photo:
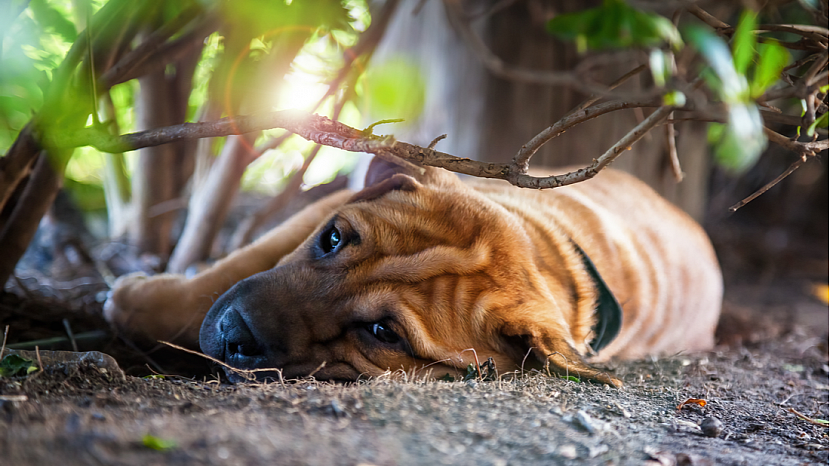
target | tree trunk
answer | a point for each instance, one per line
(153, 180)
(38, 195)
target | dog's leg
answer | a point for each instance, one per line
(171, 307)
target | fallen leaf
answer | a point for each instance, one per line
(157, 443)
(696, 401)
(14, 366)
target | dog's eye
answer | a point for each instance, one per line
(383, 333)
(330, 240)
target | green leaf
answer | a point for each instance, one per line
(772, 60)
(821, 122)
(738, 143)
(14, 365)
(50, 18)
(157, 443)
(571, 378)
(743, 41)
(614, 25)
(395, 89)
(730, 86)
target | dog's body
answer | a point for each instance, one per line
(409, 273)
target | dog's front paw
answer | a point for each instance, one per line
(152, 308)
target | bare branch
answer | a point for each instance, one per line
(498, 67)
(154, 53)
(808, 149)
(526, 181)
(805, 150)
(769, 185)
(522, 159)
(704, 16)
(617, 83)
(324, 131)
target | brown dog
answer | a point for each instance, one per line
(425, 271)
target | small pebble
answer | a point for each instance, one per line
(567, 451)
(711, 427)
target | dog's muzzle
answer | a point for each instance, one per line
(227, 336)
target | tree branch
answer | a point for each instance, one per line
(526, 181)
(324, 131)
(522, 159)
(498, 67)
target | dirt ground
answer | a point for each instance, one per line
(765, 388)
(87, 413)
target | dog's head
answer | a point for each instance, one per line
(415, 272)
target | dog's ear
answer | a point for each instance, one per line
(551, 351)
(397, 182)
(381, 169)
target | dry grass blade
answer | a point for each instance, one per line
(248, 374)
(3, 348)
(817, 422)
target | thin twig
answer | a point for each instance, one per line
(319, 368)
(522, 159)
(436, 141)
(248, 374)
(70, 335)
(619, 81)
(671, 143)
(810, 420)
(603, 161)
(805, 150)
(500, 68)
(3, 348)
(808, 149)
(707, 18)
(769, 185)
(39, 361)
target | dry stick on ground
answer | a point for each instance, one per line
(248, 374)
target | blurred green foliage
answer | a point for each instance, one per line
(311, 36)
(395, 89)
(735, 76)
(614, 25)
(14, 365)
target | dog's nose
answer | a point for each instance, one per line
(238, 337)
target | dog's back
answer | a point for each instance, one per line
(657, 261)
